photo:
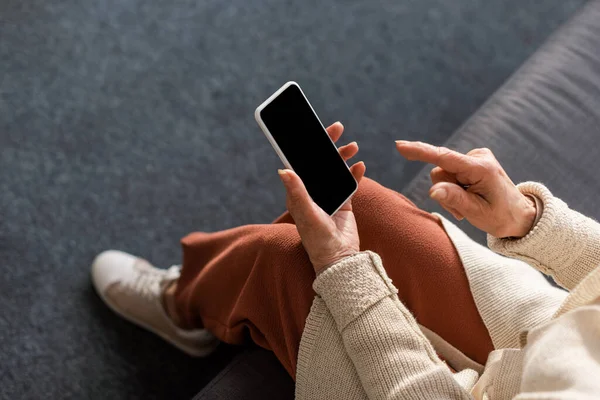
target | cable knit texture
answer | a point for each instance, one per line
(361, 342)
(353, 285)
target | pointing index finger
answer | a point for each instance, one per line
(450, 160)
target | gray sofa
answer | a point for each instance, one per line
(543, 124)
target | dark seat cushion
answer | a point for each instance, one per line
(544, 123)
(254, 374)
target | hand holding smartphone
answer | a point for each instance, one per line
(301, 141)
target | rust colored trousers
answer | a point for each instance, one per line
(255, 281)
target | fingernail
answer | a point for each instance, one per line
(283, 174)
(439, 194)
(401, 142)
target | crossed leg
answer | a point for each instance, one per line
(255, 281)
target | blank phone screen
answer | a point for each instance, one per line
(306, 145)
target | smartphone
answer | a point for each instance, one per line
(301, 141)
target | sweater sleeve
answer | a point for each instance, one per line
(390, 354)
(563, 244)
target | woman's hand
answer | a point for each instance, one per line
(474, 186)
(326, 239)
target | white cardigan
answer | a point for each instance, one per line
(361, 342)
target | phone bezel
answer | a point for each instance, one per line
(280, 153)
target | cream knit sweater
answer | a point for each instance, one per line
(361, 342)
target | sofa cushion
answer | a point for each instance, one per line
(253, 374)
(543, 124)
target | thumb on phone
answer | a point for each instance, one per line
(299, 202)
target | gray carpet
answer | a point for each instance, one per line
(128, 123)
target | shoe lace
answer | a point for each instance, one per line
(148, 283)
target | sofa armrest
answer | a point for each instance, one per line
(543, 124)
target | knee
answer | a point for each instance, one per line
(371, 197)
(282, 257)
(366, 189)
(281, 241)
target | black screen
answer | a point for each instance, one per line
(306, 145)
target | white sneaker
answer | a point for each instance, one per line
(133, 288)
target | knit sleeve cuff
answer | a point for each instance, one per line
(563, 243)
(353, 285)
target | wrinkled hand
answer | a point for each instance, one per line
(326, 239)
(474, 186)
